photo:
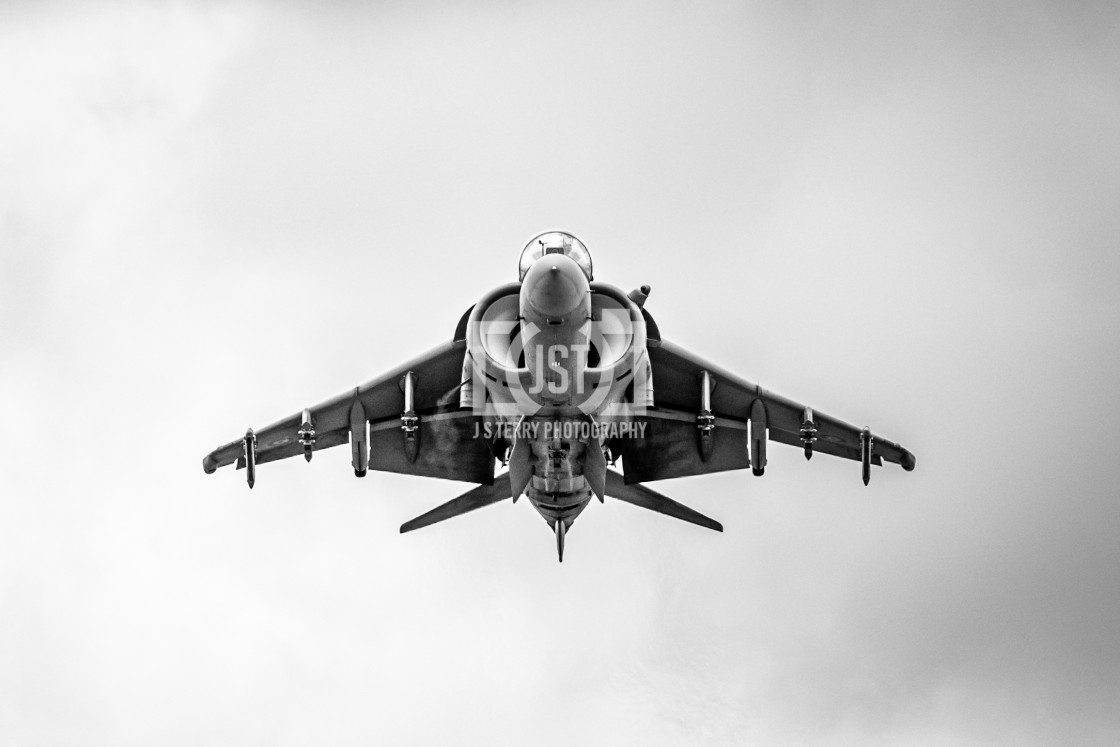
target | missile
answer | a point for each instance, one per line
(249, 449)
(866, 444)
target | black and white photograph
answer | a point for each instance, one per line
(530, 373)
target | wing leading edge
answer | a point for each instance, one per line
(373, 419)
(738, 411)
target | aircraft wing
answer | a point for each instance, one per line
(670, 447)
(446, 444)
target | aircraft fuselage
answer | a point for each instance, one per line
(554, 375)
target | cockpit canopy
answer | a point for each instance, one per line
(555, 242)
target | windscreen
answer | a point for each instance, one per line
(555, 242)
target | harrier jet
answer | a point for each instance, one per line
(557, 377)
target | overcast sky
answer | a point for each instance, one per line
(215, 214)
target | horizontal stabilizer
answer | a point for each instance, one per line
(640, 495)
(483, 495)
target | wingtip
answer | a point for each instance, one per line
(711, 523)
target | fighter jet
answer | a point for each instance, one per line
(557, 377)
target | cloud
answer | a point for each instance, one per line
(214, 215)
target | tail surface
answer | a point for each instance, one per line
(483, 495)
(640, 495)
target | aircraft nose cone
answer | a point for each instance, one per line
(555, 286)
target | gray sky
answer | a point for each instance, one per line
(213, 214)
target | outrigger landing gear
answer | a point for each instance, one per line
(249, 454)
